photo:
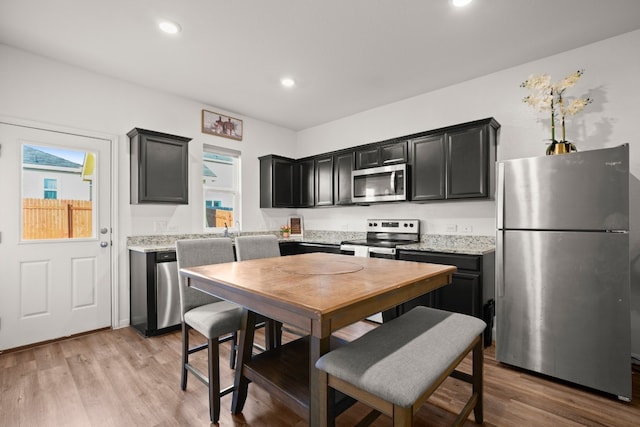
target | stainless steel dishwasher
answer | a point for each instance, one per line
(155, 296)
(167, 290)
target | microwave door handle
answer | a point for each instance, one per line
(393, 182)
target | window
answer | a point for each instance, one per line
(50, 188)
(221, 184)
(57, 193)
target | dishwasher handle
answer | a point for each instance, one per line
(167, 256)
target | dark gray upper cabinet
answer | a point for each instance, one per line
(455, 162)
(304, 180)
(368, 157)
(393, 152)
(342, 167)
(159, 167)
(381, 154)
(324, 180)
(276, 182)
(427, 168)
(468, 164)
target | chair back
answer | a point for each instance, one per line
(254, 247)
(195, 252)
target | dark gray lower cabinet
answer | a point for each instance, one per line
(472, 290)
(295, 248)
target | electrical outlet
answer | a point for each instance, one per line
(451, 228)
(467, 229)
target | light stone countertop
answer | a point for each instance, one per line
(454, 244)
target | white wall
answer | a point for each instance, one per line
(38, 89)
(612, 69)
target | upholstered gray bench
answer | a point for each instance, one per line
(397, 366)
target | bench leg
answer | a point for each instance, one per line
(402, 417)
(478, 360)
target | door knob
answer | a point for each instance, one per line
(104, 244)
(104, 230)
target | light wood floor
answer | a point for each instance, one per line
(118, 378)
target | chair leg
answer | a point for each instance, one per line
(185, 355)
(327, 416)
(478, 380)
(214, 380)
(234, 350)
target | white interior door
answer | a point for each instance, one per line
(55, 241)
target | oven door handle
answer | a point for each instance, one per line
(382, 251)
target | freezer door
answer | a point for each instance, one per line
(579, 191)
(563, 306)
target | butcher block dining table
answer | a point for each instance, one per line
(317, 293)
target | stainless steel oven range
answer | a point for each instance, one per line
(383, 236)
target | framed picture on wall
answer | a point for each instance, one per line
(295, 223)
(221, 125)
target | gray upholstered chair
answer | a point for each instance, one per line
(261, 246)
(254, 247)
(216, 319)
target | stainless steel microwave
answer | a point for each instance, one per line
(381, 184)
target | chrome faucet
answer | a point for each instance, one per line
(226, 230)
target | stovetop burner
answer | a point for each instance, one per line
(384, 233)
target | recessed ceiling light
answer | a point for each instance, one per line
(460, 3)
(287, 82)
(169, 27)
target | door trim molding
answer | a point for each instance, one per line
(115, 243)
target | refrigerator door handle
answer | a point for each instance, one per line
(500, 263)
(500, 196)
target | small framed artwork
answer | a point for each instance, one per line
(221, 125)
(295, 224)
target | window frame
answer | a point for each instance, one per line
(235, 192)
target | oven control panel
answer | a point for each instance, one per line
(393, 225)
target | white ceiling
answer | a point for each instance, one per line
(347, 56)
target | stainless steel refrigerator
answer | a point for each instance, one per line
(562, 267)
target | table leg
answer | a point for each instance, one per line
(273, 334)
(318, 347)
(245, 350)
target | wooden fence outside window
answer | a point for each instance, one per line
(56, 219)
